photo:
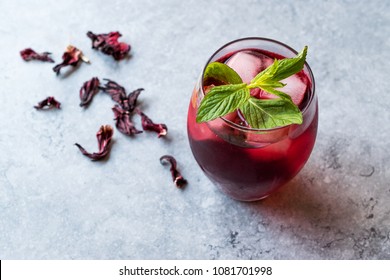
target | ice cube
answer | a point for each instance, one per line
(296, 86)
(219, 126)
(212, 129)
(272, 152)
(248, 64)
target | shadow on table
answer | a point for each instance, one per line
(309, 204)
(322, 220)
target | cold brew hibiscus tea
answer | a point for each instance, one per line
(252, 118)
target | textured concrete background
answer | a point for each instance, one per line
(56, 204)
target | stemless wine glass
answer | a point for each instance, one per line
(245, 163)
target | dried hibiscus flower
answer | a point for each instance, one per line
(103, 136)
(29, 54)
(71, 57)
(148, 124)
(108, 44)
(178, 179)
(88, 90)
(131, 101)
(118, 94)
(49, 102)
(123, 121)
(116, 91)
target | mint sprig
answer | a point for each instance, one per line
(259, 113)
(270, 113)
(222, 72)
(222, 100)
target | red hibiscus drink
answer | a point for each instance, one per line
(249, 163)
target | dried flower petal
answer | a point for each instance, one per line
(29, 54)
(131, 101)
(48, 102)
(123, 121)
(148, 124)
(88, 90)
(71, 57)
(104, 136)
(108, 44)
(118, 94)
(116, 91)
(178, 180)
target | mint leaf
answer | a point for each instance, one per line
(281, 69)
(222, 72)
(270, 113)
(260, 113)
(222, 100)
(281, 94)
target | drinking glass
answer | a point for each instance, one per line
(249, 164)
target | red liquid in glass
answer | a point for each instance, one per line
(246, 172)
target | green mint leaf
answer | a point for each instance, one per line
(270, 113)
(260, 113)
(222, 100)
(222, 72)
(281, 94)
(269, 84)
(281, 69)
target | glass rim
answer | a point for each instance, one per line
(249, 129)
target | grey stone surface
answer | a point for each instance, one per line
(56, 204)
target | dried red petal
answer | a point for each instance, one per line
(116, 91)
(48, 103)
(131, 102)
(29, 54)
(118, 94)
(148, 124)
(123, 121)
(108, 44)
(88, 90)
(104, 136)
(178, 179)
(71, 57)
